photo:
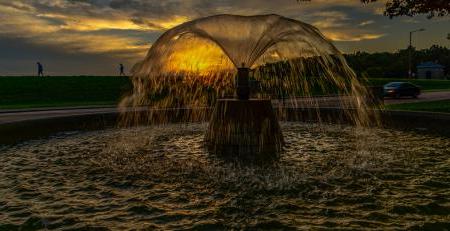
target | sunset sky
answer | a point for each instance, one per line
(91, 37)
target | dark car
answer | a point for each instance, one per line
(399, 89)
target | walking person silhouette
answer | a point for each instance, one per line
(40, 69)
(122, 68)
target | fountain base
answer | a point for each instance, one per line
(244, 130)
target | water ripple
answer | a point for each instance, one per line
(329, 177)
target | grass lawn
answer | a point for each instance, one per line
(426, 84)
(33, 92)
(432, 106)
(65, 91)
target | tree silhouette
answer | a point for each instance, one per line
(395, 8)
(395, 64)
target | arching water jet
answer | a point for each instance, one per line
(194, 64)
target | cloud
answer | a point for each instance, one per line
(70, 34)
(339, 25)
(365, 23)
(125, 29)
(330, 19)
(349, 37)
(71, 24)
(93, 24)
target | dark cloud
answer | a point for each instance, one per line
(139, 11)
(144, 22)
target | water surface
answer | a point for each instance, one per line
(329, 177)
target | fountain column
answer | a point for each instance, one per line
(242, 128)
(243, 86)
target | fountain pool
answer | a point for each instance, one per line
(329, 176)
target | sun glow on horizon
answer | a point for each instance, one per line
(199, 56)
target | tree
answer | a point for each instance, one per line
(432, 8)
(395, 65)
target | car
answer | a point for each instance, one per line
(399, 89)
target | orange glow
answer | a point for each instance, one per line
(81, 23)
(198, 56)
(175, 21)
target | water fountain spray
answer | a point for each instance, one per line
(203, 62)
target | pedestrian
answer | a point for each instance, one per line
(122, 70)
(40, 69)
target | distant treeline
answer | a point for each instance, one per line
(395, 65)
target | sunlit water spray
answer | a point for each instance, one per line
(195, 63)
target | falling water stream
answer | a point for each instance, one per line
(195, 63)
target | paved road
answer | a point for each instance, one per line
(424, 97)
(8, 116)
(301, 102)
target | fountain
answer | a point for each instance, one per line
(194, 63)
(335, 172)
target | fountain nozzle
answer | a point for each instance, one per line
(242, 85)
